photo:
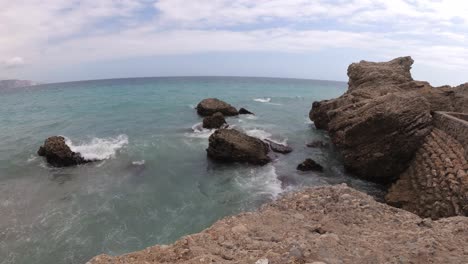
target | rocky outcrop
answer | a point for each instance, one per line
(244, 111)
(58, 154)
(209, 106)
(317, 225)
(383, 118)
(317, 144)
(230, 145)
(279, 148)
(309, 165)
(215, 121)
(436, 183)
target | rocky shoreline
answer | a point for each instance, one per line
(389, 129)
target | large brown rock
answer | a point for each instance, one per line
(230, 145)
(58, 154)
(332, 224)
(380, 122)
(209, 106)
(215, 121)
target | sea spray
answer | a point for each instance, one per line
(99, 148)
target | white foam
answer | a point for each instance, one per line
(32, 158)
(200, 132)
(263, 135)
(262, 100)
(138, 162)
(99, 148)
(262, 181)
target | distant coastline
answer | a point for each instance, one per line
(13, 83)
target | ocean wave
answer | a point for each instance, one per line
(138, 162)
(200, 132)
(261, 181)
(99, 148)
(263, 135)
(263, 100)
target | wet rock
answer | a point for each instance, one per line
(244, 111)
(215, 121)
(231, 145)
(318, 144)
(279, 148)
(209, 106)
(58, 154)
(309, 165)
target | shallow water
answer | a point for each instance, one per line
(155, 183)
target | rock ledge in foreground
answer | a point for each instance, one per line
(333, 224)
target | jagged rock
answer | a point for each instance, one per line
(244, 111)
(209, 106)
(309, 165)
(380, 122)
(230, 145)
(215, 121)
(279, 148)
(58, 154)
(330, 224)
(318, 144)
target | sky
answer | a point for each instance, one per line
(66, 40)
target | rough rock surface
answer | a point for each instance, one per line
(309, 165)
(215, 121)
(436, 183)
(209, 106)
(324, 225)
(230, 145)
(279, 148)
(383, 118)
(244, 111)
(317, 144)
(58, 154)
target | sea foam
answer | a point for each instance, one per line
(99, 148)
(262, 100)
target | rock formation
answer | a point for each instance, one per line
(317, 144)
(317, 225)
(58, 154)
(279, 148)
(383, 118)
(309, 165)
(244, 111)
(230, 145)
(209, 106)
(215, 121)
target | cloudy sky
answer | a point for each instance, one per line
(64, 40)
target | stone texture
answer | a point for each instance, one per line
(436, 183)
(215, 121)
(209, 106)
(309, 165)
(279, 148)
(58, 154)
(230, 145)
(317, 225)
(317, 144)
(244, 111)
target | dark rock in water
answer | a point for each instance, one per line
(318, 144)
(244, 111)
(58, 154)
(279, 148)
(309, 165)
(230, 145)
(215, 121)
(208, 107)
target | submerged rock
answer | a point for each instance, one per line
(215, 121)
(244, 111)
(323, 223)
(58, 154)
(318, 144)
(309, 165)
(279, 148)
(209, 106)
(230, 145)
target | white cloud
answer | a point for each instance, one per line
(14, 62)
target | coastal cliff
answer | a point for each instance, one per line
(316, 225)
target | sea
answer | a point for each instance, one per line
(153, 183)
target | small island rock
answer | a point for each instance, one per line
(58, 154)
(309, 165)
(230, 145)
(215, 121)
(209, 106)
(244, 111)
(279, 148)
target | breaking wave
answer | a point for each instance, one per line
(262, 100)
(99, 148)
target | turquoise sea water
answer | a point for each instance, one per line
(154, 183)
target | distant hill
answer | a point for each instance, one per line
(5, 84)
